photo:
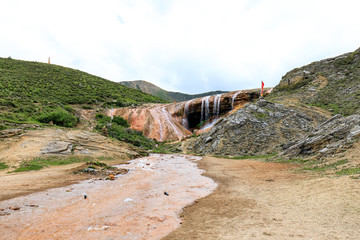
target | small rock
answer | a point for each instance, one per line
(15, 208)
(32, 205)
(165, 193)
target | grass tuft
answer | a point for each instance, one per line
(3, 166)
(39, 163)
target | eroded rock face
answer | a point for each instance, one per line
(258, 128)
(154, 121)
(10, 133)
(36, 143)
(57, 147)
(329, 137)
(168, 122)
(194, 111)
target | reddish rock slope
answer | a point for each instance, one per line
(176, 121)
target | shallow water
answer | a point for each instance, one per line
(133, 206)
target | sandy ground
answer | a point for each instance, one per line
(259, 200)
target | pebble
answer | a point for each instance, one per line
(14, 208)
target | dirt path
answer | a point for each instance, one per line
(257, 200)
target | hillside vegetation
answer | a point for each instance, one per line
(332, 84)
(161, 93)
(30, 91)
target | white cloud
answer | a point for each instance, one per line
(189, 45)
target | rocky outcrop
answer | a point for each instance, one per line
(10, 133)
(193, 112)
(256, 129)
(35, 143)
(169, 122)
(332, 84)
(57, 147)
(330, 137)
(154, 121)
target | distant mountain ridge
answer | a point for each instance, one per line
(154, 90)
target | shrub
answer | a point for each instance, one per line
(120, 121)
(119, 130)
(131, 136)
(59, 117)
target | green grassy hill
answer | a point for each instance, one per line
(29, 89)
(161, 93)
(332, 84)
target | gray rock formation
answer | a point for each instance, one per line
(330, 137)
(10, 133)
(258, 128)
(57, 147)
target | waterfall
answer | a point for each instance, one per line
(205, 111)
(161, 131)
(186, 114)
(169, 118)
(233, 99)
(216, 110)
(186, 108)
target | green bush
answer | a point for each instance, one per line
(130, 135)
(120, 121)
(59, 117)
(119, 130)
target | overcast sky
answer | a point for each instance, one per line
(190, 46)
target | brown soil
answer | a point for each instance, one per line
(15, 150)
(258, 200)
(20, 184)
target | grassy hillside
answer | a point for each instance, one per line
(332, 84)
(161, 93)
(31, 89)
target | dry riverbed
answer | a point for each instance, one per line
(253, 200)
(143, 204)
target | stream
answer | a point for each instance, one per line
(145, 203)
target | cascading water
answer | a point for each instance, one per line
(168, 116)
(205, 111)
(233, 99)
(160, 126)
(186, 114)
(186, 107)
(216, 111)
